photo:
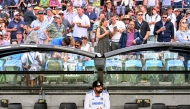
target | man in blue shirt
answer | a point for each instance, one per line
(92, 16)
(15, 25)
(164, 29)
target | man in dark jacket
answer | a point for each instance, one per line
(164, 29)
(130, 37)
(29, 15)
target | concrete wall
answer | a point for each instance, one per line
(117, 101)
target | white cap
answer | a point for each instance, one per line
(61, 12)
(57, 16)
(15, 13)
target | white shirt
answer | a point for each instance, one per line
(94, 102)
(79, 31)
(151, 3)
(85, 48)
(32, 57)
(154, 18)
(49, 20)
(120, 25)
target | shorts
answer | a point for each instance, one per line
(90, 35)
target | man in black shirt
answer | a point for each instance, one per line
(142, 26)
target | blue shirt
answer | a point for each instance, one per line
(93, 17)
(57, 41)
(12, 25)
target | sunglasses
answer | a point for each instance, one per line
(83, 38)
(76, 45)
(140, 14)
(61, 14)
(164, 17)
(184, 22)
(17, 15)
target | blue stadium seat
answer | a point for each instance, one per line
(176, 65)
(132, 65)
(154, 65)
(113, 65)
(90, 66)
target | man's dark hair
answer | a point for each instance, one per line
(28, 25)
(67, 40)
(164, 13)
(78, 41)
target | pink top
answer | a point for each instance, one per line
(54, 3)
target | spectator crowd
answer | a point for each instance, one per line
(91, 25)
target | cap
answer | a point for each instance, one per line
(29, 6)
(37, 8)
(49, 9)
(1, 8)
(176, 10)
(60, 12)
(108, 1)
(126, 17)
(57, 16)
(58, 8)
(188, 11)
(40, 12)
(18, 32)
(97, 83)
(15, 13)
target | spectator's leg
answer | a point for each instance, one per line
(123, 10)
(118, 10)
(92, 37)
(114, 45)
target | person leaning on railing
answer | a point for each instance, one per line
(183, 34)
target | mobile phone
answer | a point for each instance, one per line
(115, 27)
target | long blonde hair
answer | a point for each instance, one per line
(72, 42)
(180, 28)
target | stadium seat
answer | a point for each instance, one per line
(90, 66)
(169, 56)
(131, 106)
(2, 76)
(154, 65)
(12, 78)
(68, 106)
(132, 65)
(15, 106)
(188, 68)
(113, 65)
(40, 106)
(176, 65)
(53, 65)
(150, 56)
(158, 106)
(183, 107)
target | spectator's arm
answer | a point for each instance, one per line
(172, 32)
(157, 30)
(145, 2)
(32, 16)
(98, 34)
(179, 37)
(157, 3)
(46, 34)
(147, 32)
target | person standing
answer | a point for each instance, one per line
(29, 15)
(164, 29)
(92, 16)
(81, 23)
(97, 98)
(103, 34)
(142, 26)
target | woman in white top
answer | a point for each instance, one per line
(183, 34)
(85, 45)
